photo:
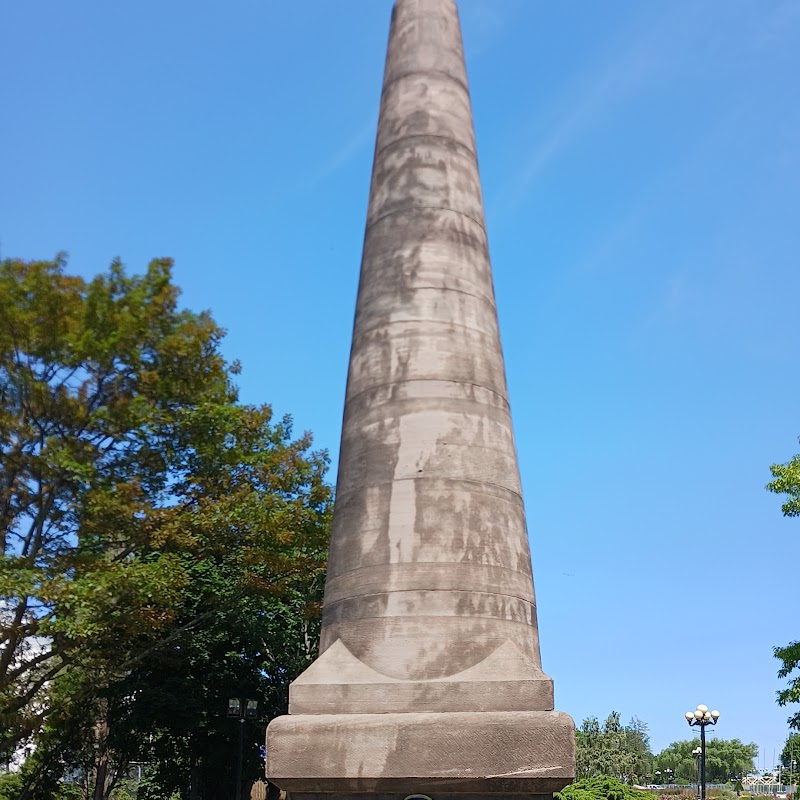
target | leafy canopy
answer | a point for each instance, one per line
(155, 532)
(787, 482)
(790, 759)
(789, 657)
(601, 788)
(613, 749)
(726, 759)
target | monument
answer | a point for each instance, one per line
(429, 678)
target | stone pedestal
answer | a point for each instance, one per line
(429, 678)
(443, 755)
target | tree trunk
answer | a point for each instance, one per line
(194, 782)
(101, 777)
(101, 760)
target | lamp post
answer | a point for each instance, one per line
(657, 776)
(241, 710)
(696, 753)
(668, 774)
(701, 717)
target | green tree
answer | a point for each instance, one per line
(159, 539)
(787, 482)
(790, 758)
(726, 759)
(10, 785)
(613, 749)
(638, 745)
(601, 788)
(789, 657)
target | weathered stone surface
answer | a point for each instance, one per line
(438, 754)
(503, 681)
(429, 678)
(428, 473)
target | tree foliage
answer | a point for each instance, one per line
(789, 657)
(726, 759)
(163, 545)
(613, 749)
(787, 482)
(790, 758)
(601, 788)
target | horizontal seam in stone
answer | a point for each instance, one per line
(501, 718)
(348, 575)
(408, 136)
(527, 577)
(423, 208)
(379, 326)
(482, 298)
(457, 81)
(438, 616)
(438, 564)
(482, 243)
(531, 603)
(436, 380)
(415, 478)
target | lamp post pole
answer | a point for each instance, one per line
(241, 710)
(240, 760)
(701, 717)
(697, 753)
(702, 762)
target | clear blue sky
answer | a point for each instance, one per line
(641, 169)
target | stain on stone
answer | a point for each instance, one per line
(429, 574)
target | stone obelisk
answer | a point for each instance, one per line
(429, 678)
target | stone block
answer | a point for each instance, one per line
(447, 755)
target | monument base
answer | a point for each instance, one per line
(504, 754)
(339, 683)
(402, 795)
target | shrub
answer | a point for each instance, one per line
(10, 785)
(602, 788)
